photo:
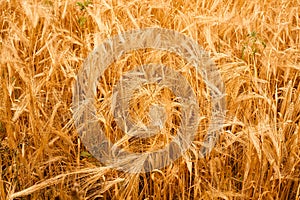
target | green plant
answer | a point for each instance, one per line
(83, 5)
(252, 45)
(85, 154)
(81, 21)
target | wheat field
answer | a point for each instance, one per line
(255, 46)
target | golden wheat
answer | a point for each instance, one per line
(256, 47)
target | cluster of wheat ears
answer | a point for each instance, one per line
(255, 46)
